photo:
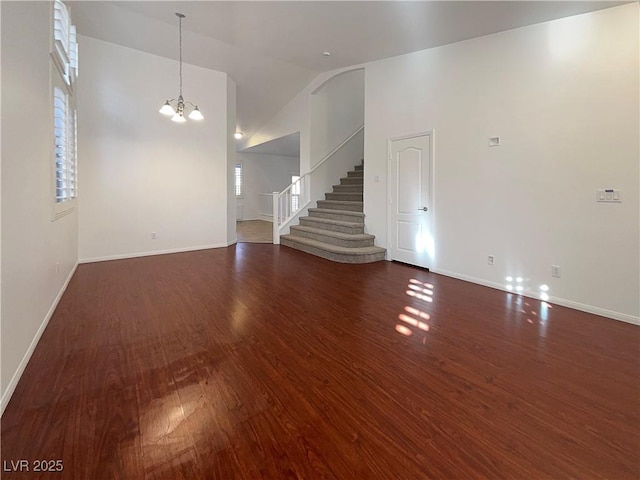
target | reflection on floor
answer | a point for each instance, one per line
(254, 231)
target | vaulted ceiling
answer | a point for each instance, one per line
(272, 49)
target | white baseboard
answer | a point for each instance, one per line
(261, 216)
(623, 317)
(6, 396)
(156, 252)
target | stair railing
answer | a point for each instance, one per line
(297, 196)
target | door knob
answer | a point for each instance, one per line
(424, 209)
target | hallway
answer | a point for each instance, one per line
(254, 231)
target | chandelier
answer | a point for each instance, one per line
(176, 108)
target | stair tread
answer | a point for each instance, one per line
(333, 222)
(338, 212)
(334, 248)
(341, 202)
(329, 233)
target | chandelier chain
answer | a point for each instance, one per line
(180, 30)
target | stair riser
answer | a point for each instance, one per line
(359, 168)
(308, 222)
(351, 181)
(336, 257)
(348, 188)
(342, 216)
(368, 242)
(332, 206)
(355, 174)
(344, 196)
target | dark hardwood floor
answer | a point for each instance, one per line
(262, 362)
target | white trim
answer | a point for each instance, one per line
(269, 218)
(156, 252)
(411, 135)
(6, 396)
(623, 317)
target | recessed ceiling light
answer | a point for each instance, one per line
(238, 135)
(326, 54)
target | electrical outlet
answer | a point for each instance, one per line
(153, 235)
(491, 259)
(555, 271)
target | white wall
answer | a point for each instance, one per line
(263, 173)
(231, 161)
(295, 117)
(141, 173)
(563, 97)
(337, 110)
(38, 254)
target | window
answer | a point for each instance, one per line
(64, 71)
(65, 46)
(238, 180)
(64, 128)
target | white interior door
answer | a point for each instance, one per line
(410, 201)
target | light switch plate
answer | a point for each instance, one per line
(608, 195)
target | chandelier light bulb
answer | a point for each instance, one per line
(196, 114)
(178, 118)
(167, 109)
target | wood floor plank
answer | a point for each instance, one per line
(261, 362)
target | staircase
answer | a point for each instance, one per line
(335, 230)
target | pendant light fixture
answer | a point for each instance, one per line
(175, 108)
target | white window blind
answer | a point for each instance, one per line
(64, 70)
(72, 160)
(64, 120)
(238, 180)
(61, 26)
(65, 43)
(73, 51)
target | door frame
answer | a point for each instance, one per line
(431, 133)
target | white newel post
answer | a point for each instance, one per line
(276, 218)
